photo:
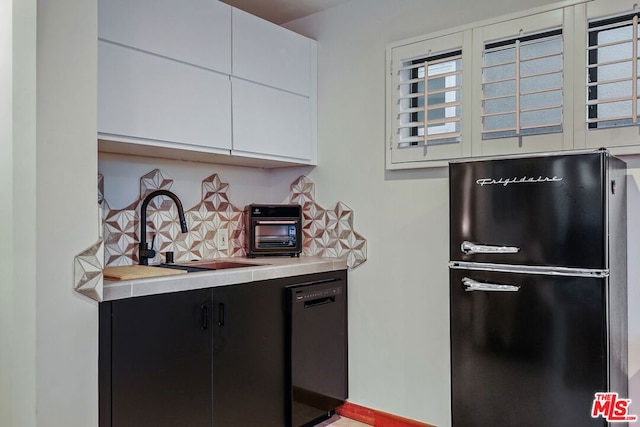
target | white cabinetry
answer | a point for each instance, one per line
(169, 77)
(195, 31)
(270, 54)
(271, 123)
(274, 91)
(160, 101)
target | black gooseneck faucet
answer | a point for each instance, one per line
(144, 253)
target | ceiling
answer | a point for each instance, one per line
(281, 11)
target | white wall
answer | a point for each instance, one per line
(6, 210)
(49, 332)
(399, 316)
(18, 229)
(66, 212)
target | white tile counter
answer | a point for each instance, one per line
(268, 268)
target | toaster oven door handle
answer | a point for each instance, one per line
(276, 222)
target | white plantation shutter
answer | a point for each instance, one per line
(522, 86)
(555, 78)
(521, 101)
(426, 89)
(430, 100)
(612, 72)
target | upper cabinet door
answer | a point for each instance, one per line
(272, 124)
(195, 31)
(271, 55)
(152, 98)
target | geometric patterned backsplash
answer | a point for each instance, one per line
(326, 232)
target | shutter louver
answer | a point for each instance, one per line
(522, 85)
(612, 72)
(429, 100)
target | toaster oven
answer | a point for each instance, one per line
(273, 230)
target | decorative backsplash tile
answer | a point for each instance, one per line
(87, 271)
(326, 232)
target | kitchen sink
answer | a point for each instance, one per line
(196, 266)
(222, 264)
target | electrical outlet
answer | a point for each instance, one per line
(222, 235)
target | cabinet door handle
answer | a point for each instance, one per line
(221, 314)
(205, 317)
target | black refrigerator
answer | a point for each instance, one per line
(538, 308)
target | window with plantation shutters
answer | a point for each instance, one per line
(560, 77)
(426, 81)
(430, 107)
(522, 86)
(612, 72)
(522, 93)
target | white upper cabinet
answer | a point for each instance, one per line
(272, 55)
(194, 31)
(274, 91)
(272, 124)
(165, 72)
(158, 101)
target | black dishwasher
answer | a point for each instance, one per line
(317, 350)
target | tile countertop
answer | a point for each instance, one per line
(269, 268)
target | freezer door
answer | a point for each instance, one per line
(526, 350)
(541, 211)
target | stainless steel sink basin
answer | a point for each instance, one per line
(196, 266)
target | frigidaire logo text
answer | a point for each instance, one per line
(524, 180)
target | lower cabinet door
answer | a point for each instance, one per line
(248, 359)
(161, 360)
(202, 358)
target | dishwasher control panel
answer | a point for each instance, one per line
(302, 295)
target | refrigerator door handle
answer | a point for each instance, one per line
(474, 248)
(472, 285)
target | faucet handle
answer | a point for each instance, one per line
(145, 253)
(151, 253)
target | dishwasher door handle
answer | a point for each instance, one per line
(319, 301)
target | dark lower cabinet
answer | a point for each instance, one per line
(159, 353)
(248, 356)
(210, 357)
